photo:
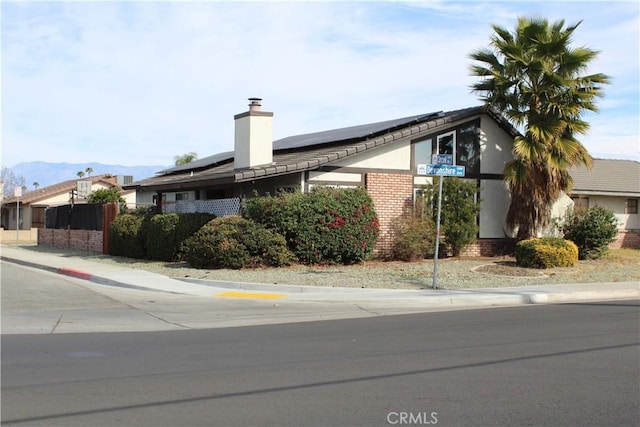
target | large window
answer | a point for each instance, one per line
(463, 144)
(468, 152)
(632, 206)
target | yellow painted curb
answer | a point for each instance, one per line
(249, 295)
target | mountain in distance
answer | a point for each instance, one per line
(45, 173)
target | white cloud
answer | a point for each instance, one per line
(140, 82)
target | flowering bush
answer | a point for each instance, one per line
(324, 226)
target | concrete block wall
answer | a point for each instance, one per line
(392, 195)
(86, 240)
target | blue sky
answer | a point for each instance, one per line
(137, 83)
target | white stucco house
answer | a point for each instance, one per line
(382, 157)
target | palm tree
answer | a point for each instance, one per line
(80, 174)
(36, 185)
(89, 171)
(535, 79)
(185, 158)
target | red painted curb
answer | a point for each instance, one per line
(74, 273)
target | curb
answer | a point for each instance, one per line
(462, 298)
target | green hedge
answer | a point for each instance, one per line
(324, 226)
(235, 242)
(166, 232)
(546, 252)
(124, 236)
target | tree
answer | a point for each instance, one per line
(459, 211)
(592, 230)
(80, 174)
(36, 185)
(10, 181)
(535, 79)
(106, 195)
(89, 171)
(185, 158)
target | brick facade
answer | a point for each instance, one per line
(86, 240)
(490, 247)
(627, 239)
(392, 195)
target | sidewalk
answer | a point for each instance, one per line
(109, 275)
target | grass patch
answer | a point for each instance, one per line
(623, 256)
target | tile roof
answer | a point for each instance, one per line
(59, 188)
(307, 152)
(608, 176)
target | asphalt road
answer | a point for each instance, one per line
(560, 365)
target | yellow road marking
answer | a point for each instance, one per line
(233, 294)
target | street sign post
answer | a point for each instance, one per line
(446, 168)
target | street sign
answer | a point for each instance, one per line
(441, 170)
(442, 159)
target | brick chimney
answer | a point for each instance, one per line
(253, 137)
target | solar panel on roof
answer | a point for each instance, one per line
(200, 163)
(343, 134)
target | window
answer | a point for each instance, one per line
(182, 196)
(632, 206)
(446, 144)
(468, 152)
(462, 143)
(580, 203)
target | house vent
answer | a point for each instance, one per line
(124, 179)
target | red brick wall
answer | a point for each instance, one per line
(392, 194)
(86, 240)
(490, 247)
(627, 239)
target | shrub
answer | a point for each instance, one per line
(166, 232)
(106, 195)
(124, 237)
(546, 252)
(235, 242)
(324, 226)
(459, 212)
(160, 237)
(414, 238)
(592, 230)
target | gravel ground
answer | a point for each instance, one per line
(453, 273)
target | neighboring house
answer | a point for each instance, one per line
(614, 185)
(382, 157)
(34, 203)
